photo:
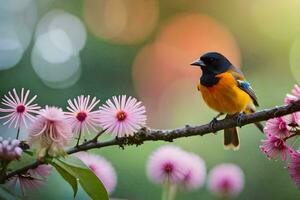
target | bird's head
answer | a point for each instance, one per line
(213, 62)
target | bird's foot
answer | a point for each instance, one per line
(212, 124)
(240, 118)
(214, 121)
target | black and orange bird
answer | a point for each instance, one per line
(225, 90)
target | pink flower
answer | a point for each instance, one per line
(42, 171)
(81, 116)
(277, 126)
(18, 109)
(294, 96)
(32, 180)
(226, 180)
(9, 149)
(50, 131)
(166, 165)
(273, 147)
(121, 116)
(102, 168)
(290, 99)
(294, 168)
(194, 172)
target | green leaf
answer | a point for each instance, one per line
(67, 176)
(91, 183)
(73, 161)
(87, 179)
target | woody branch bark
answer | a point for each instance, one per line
(147, 134)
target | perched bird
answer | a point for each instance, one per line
(225, 90)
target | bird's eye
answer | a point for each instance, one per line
(211, 59)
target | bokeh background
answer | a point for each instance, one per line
(61, 48)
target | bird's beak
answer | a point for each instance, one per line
(198, 63)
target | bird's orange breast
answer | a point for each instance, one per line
(225, 96)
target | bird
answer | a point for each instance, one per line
(225, 89)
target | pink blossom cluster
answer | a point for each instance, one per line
(226, 180)
(290, 98)
(172, 165)
(32, 179)
(51, 129)
(9, 149)
(280, 134)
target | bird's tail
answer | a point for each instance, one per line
(231, 137)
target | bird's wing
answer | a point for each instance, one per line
(243, 84)
(237, 73)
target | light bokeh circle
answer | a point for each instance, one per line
(11, 51)
(54, 72)
(121, 21)
(11, 48)
(73, 27)
(43, 24)
(14, 25)
(59, 38)
(17, 19)
(60, 20)
(54, 46)
(195, 34)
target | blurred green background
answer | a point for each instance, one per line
(143, 48)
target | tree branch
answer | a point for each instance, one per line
(146, 134)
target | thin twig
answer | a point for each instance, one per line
(295, 133)
(146, 134)
(77, 144)
(18, 133)
(95, 139)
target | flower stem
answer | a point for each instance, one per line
(18, 133)
(172, 192)
(169, 191)
(78, 138)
